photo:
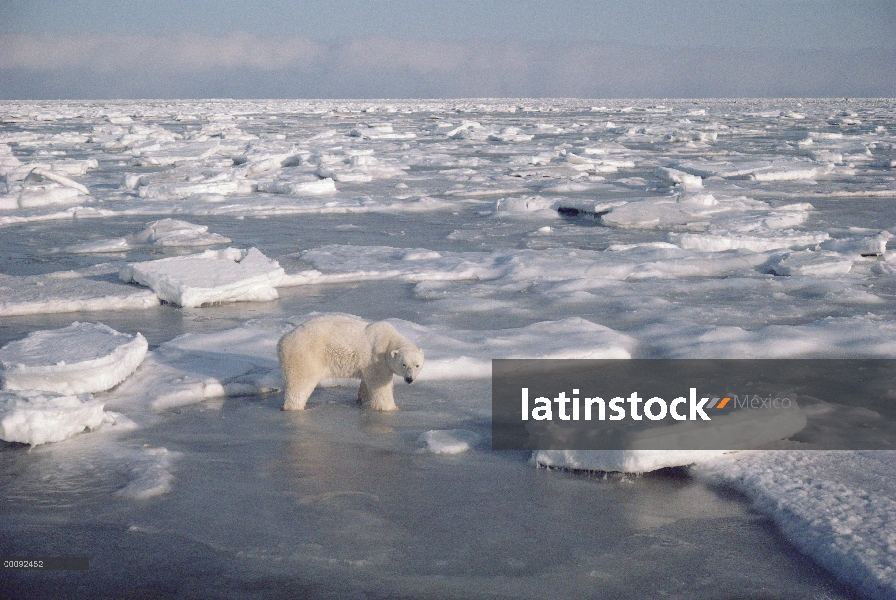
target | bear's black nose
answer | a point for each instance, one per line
(409, 379)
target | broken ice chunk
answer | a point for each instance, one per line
(229, 275)
(34, 417)
(449, 441)
(83, 357)
(810, 262)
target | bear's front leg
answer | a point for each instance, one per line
(363, 393)
(379, 390)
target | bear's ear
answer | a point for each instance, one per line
(394, 353)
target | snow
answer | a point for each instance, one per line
(83, 357)
(229, 275)
(480, 228)
(35, 417)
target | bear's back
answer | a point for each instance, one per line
(326, 331)
(337, 343)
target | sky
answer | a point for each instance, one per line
(106, 49)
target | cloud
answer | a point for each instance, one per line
(181, 53)
(244, 65)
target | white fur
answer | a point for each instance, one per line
(341, 347)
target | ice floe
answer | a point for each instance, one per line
(213, 276)
(37, 417)
(836, 507)
(449, 441)
(776, 170)
(164, 233)
(70, 291)
(810, 262)
(676, 177)
(301, 186)
(43, 187)
(83, 357)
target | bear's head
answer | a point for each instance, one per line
(406, 362)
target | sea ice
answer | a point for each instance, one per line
(380, 131)
(83, 357)
(151, 473)
(36, 417)
(836, 507)
(43, 186)
(164, 233)
(720, 241)
(478, 219)
(744, 429)
(449, 441)
(622, 461)
(213, 276)
(809, 262)
(301, 186)
(175, 153)
(521, 269)
(70, 291)
(462, 354)
(170, 192)
(746, 169)
(676, 177)
(831, 337)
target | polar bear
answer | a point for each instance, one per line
(337, 346)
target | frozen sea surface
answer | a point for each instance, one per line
(482, 229)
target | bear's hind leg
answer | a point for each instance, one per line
(296, 397)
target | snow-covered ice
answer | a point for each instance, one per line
(83, 357)
(229, 275)
(481, 229)
(837, 507)
(88, 289)
(34, 417)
